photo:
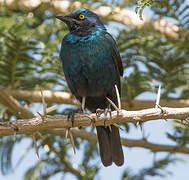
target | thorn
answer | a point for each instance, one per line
(118, 97)
(158, 106)
(72, 141)
(142, 130)
(67, 130)
(118, 126)
(110, 128)
(40, 135)
(162, 112)
(115, 107)
(35, 145)
(51, 109)
(158, 97)
(141, 126)
(83, 103)
(42, 116)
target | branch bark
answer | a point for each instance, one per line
(123, 16)
(61, 97)
(24, 126)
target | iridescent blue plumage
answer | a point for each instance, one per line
(92, 67)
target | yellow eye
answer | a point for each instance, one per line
(81, 16)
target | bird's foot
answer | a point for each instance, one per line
(71, 115)
(113, 105)
(105, 112)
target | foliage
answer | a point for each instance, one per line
(29, 48)
(157, 169)
(141, 4)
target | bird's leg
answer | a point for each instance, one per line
(83, 103)
(110, 113)
(71, 116)
(99, 112)
(105, 111)
(72, 113)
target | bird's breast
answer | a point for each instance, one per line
(89, 64)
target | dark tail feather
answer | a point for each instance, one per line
(116, 147)
(104, 145)
(110, 145)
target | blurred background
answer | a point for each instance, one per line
(152, 37)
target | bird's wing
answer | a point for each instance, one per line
(115, 54)
(70, 85)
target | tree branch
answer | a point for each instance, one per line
(58, 97)
(47, 123)
(123, 16)
(24, 126)
(61, 97)
(143, 143)
(13, 105)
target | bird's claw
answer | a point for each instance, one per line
(99, 112)
(71, 115)
(105, 112)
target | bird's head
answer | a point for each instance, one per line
(82, 22)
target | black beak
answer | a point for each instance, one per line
(65, 19)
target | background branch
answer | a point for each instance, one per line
(13, 105)
(61, 97)
(143, 143)
(117, 14)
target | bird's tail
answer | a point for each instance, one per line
(110, 145)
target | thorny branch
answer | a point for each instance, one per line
(38, 124)
(35, 124)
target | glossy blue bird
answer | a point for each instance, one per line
(92, 66)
